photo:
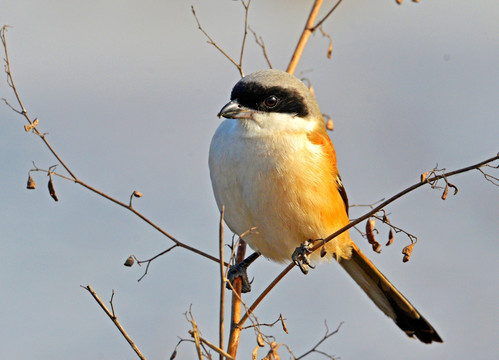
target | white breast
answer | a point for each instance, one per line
(267, 180)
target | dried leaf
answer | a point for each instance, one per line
(31, 183)
(399, 1)
(137, 194)
(52, 189)
(424, 176)
(330, 50)
(370, 231)
(391, 237)
(129, 261)
(377, 247)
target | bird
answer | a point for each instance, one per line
(274, 172)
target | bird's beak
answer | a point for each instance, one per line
(234, 110)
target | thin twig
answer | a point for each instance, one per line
(72, 177)
(261, 43)
(325, 17)
(246, 10)
(222, 281)
(195, 334)
(327, 335)
(212, 42)
(222, 353)
(114, 319)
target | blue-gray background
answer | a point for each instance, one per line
(128, 92)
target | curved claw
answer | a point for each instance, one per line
(301, 256)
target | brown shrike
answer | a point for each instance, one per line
(273, 168)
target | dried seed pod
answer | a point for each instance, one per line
(259, 340)
(385, 219)
(370, 231)
(377, 247)
(323, 251)
(399, 1)
(52, 189)
(174, 355)
(330, 50)
(137, 194)
(284, 327)
(254, 354)
(391, 237)
(129, 261)
(31, 183)
(407, 251)
(446, 191)
(424, 176)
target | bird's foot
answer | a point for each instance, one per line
(301, 256)
(239, 271)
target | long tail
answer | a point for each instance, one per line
(388, 298)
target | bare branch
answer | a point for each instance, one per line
(307, 31)
(114, 319)
(260, 42)
(222, 281)
(319, 24)
(326, 336)
(212, 42)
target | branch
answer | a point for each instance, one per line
(431, 180)
(72, 177)
(114, 319)
(239, 65)
(222, 281)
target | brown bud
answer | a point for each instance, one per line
(390, 238)
(52, 189)
(370, 231)
(259, 340)
(137, 194)
(330, 124)
(31, 183)
(424, 176)
(446, 191)
(129, 261)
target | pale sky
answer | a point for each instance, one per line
(128, 93)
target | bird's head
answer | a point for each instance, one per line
(273, 99)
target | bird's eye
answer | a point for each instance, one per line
(271, 101)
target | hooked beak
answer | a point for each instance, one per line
(234, 110)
